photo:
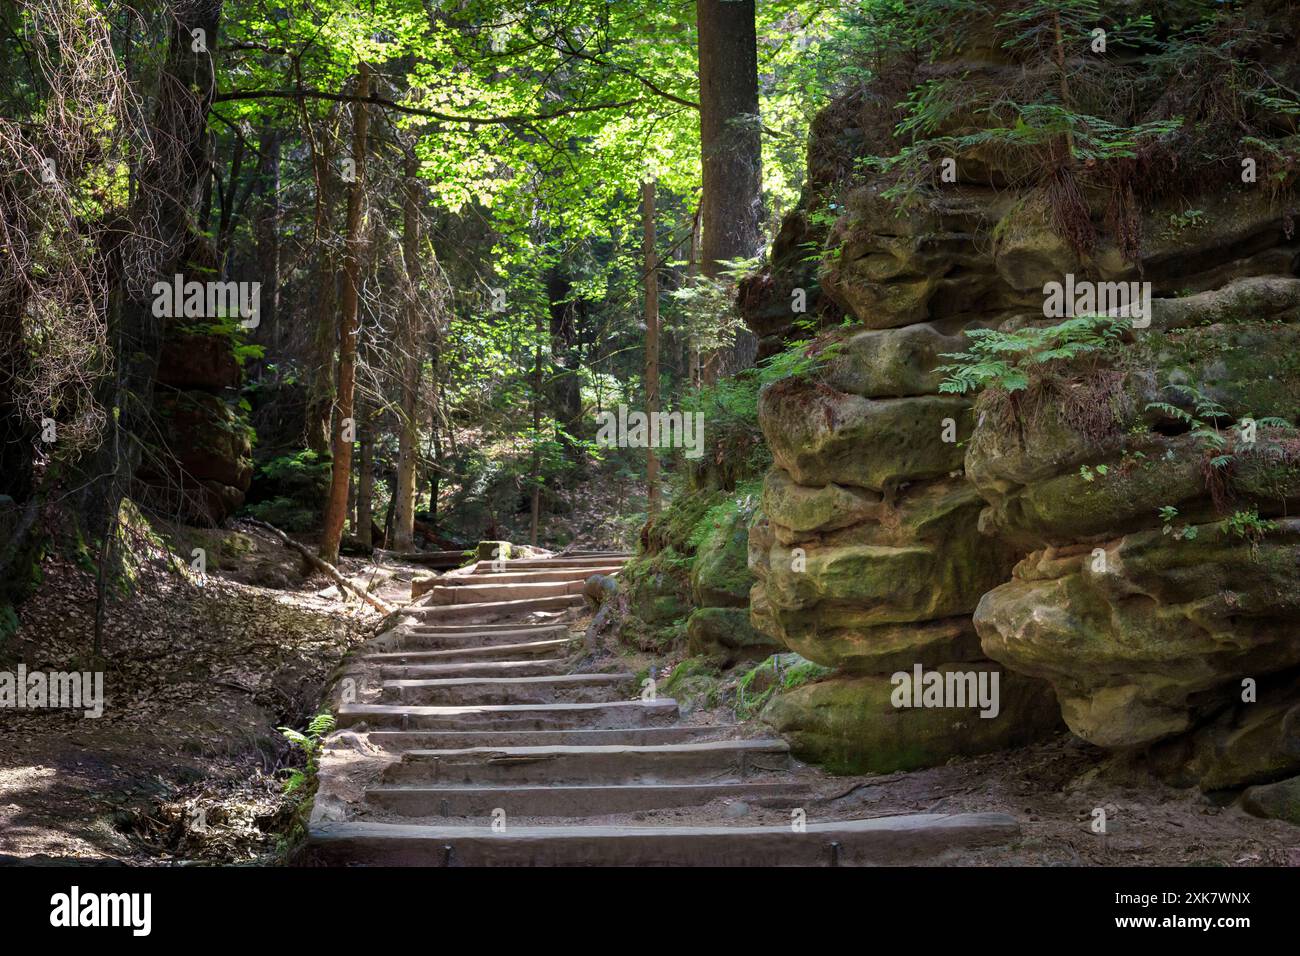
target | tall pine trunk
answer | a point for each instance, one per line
(535, 473)
(408, 449)
(349, 314)
(651, 340)
(320, 396)
(366, 479)
(731, 152)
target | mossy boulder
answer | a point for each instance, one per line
(798, 509)
(1144, 636)
(851, 725)
(893, 265)
(1027, 251)
(821, 436)
(925, 561)
(836, 638)
(694, 683)
(892, 363)
(1247, 742)
(1275, 801)
(726, 635)
(720, 575)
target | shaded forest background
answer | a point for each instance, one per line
(450, 191)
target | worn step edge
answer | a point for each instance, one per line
(540, 650)
(401, 740)
(539, 667)
(413, 640)
(558, 680)
(910, 838)
(761, 745)
(440, 595)
(493, 608)
(487, 628)
(567, 800)
(561, 575)
(505, 716)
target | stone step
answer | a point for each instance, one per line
(545, 564)
(567, 801)
(913, 838)
(466, 691)
(512, 717)
(544, 667)
(472, 592)
(523, 577)
(399, 740)
(536, 650)
(433, 559)
(492, 610)
(487, 628)
(660, 763)
(419, 639)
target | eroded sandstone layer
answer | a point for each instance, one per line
(1112, 531)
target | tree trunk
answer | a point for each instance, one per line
(535, 474)
(349, 313)
(565, 387)
(730, 145)
(408, 449)
(651, 341)
(320, 398)
(366, 479)
(435, 470)
(692, 269)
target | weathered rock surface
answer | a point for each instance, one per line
(1277, 801)
(851, 725)
(203, 465)
(1142, 637)
(1157, 568)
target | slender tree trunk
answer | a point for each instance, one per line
(408, 448)
(366, 479)
(435, 470)
(730, 145)
(349, 315)
(564, 389)
(651, 341)
(320, 399)
(692, 269)
(535, 474)
(228, 198)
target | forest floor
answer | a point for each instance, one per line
(187, 764)
(186, 761)
(1051, 788)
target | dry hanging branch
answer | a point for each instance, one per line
(322, 565)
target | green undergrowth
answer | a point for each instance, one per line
(699, 683)
(780, 672)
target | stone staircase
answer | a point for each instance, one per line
(465, 739)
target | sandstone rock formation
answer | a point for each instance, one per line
(202, 465)
(1155, 568)
(1176, 631)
